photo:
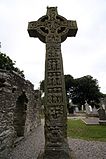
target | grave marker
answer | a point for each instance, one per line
(53, 29)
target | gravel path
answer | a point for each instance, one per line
(30, 148)
(88, 149)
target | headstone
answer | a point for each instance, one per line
(103, 106)
(88, 108)
(103, 103)
(102, 116)
(94, 112)
(82, 108)
(53, 29)
(71, 108)
(76, 109)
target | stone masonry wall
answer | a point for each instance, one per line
(19, 110)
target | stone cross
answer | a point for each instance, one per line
(53, 29)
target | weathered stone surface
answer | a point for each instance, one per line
(102, 114)
(53, 29)
(19, 109)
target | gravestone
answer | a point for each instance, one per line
(82, 108)
(95, 112)
(76, 109)
(103, 106)
(88, 109)
(53, 29)
(102, 116)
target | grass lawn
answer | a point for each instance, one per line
(78, 129)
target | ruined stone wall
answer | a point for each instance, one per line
(19, 109)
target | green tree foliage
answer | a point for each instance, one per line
(7, 64)
(69, 86)
(69, 83)
(86, 89)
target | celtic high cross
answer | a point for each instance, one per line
(53, 29)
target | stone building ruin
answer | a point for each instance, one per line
(19, 110)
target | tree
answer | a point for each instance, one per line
(69, 83)
(86, 89)
(7, 64)
(69, 86)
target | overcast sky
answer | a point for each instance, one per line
(83, 55)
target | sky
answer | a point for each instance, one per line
(83, 55)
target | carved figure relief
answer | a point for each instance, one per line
(56, 112)
(53, 51)
(49, 80)
(49, 99)
(58, 64)
(54, 98)
(53, 38)
(54, 78)
(58, 81)
(55, 134)
(54, 82)
(49, 64)
(53, 64)
(59, 98)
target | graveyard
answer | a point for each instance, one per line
(59, 133)
(78, 129)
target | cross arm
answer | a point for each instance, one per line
(68, 28)
(72, 25)
(32, 28)
(36, 29)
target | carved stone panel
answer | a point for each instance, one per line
(54, 98)
(53, 51)
(53, 64)
(54, 78)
